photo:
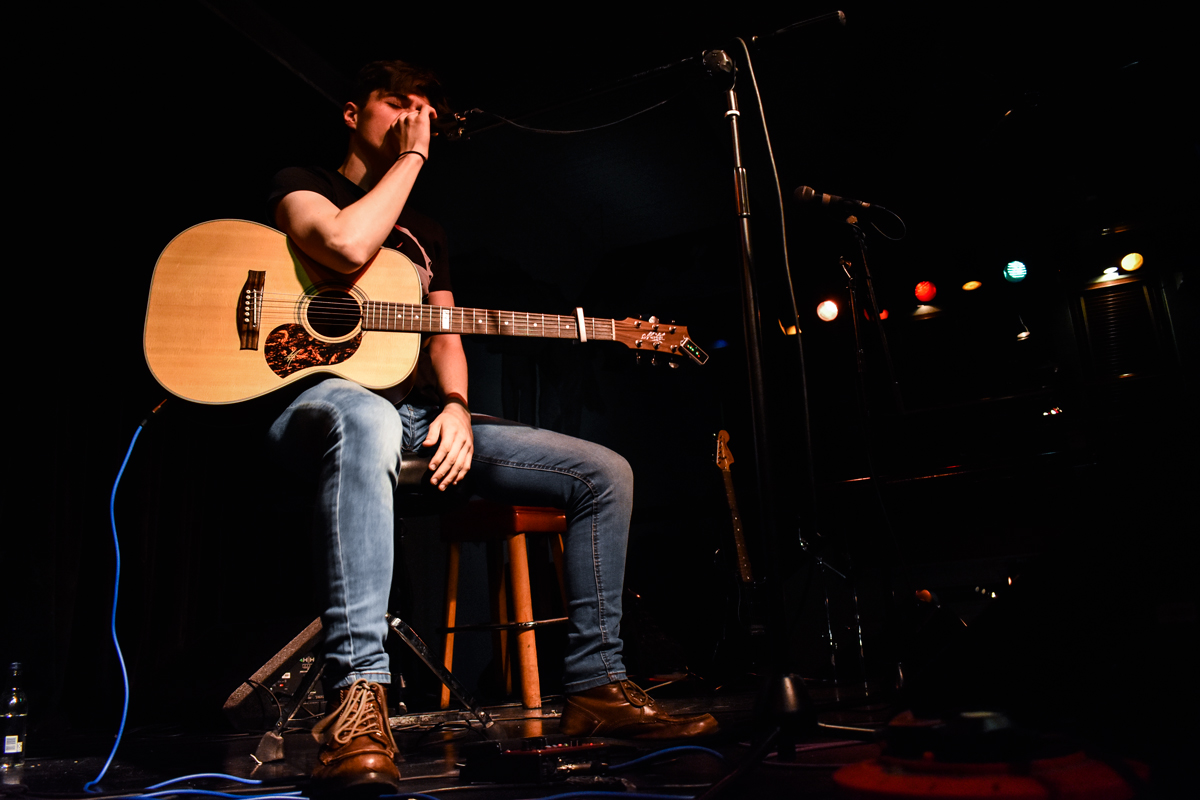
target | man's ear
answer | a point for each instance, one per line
(350, 116)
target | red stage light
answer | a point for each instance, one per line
(925, 291)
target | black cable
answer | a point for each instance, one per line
(805, 422)
(580, 130)
(755, 756)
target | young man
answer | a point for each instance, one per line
(350, 442)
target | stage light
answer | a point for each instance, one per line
(1132, 262)
(827, 310)
(925, 291)
(882, 314)
(1024, 333)
(790, 330)
(971, 286)
(1015, 272)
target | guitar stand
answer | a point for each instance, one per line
(270, 748)
(422, 651)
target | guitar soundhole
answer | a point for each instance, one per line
(333, 314)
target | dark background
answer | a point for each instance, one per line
(1061, 139)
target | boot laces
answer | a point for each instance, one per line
(360, 715)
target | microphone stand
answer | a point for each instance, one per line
(783, 700)
(861, 238)
(866, 423)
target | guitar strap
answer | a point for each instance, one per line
(426, 272)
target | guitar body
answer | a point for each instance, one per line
(197, 341)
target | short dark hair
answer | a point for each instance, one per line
(401, 78)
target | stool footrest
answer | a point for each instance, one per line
(503, 626)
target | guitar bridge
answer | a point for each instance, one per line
(249, 309)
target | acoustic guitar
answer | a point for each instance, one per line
(236, 312)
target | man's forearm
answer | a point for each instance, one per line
(450, 366)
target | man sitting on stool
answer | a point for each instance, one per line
(350, 441)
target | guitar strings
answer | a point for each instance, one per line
(346, 310)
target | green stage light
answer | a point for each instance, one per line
(1015, 272)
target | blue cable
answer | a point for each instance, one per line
(296, 795)
(211, 793)
(89, 787)
(112, 515)
(659, 753)
(199, 775)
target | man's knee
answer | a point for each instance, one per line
(338, 413)
(358, 410)
(611, 473)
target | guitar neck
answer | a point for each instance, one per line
(745, 570)
(416, 318)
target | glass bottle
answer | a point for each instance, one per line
(14, 721)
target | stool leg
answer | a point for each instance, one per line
(501, 614)
(452, 561)
(518, 563)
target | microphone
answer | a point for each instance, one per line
(806, 194)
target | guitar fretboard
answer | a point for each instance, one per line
(406, 317)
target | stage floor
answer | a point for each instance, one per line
(449, 754)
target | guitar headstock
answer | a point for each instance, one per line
(655, 337)
(724, 456)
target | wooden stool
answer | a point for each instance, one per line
(483, 521)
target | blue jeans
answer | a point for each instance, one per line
(350, 442)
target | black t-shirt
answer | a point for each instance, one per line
(414, 234)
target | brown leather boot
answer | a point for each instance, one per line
(623, 710)
(357, 749)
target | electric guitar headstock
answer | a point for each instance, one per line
(724, 455)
